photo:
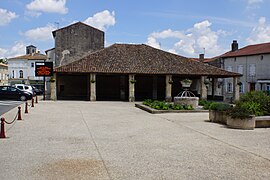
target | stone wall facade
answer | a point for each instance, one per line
(75, 41)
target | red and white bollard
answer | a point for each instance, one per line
(2, 133)
(19, 113)
(26, 108)
(33, 102)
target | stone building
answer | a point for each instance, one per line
(3, 74)
(128, 72)
(74, 41)
(252, 62)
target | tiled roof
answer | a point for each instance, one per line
(263, 48)
(140, 59)
(2, 64)
(34, 56)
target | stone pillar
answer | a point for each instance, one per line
(213, 88)
(131, 80)
(203, 88)
(155, 87)
(236, 94)
(216, 89)
(168, 96)
(93, 87)
(53, 88)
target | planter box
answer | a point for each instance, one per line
(212, 116)
(246, 124)
(217, 116)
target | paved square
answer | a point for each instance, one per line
(115, 140)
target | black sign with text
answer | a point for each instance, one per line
(44, 69)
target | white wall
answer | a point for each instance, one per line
(262, 70)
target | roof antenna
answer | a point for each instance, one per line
(57, 23)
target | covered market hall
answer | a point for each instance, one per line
(134, 72)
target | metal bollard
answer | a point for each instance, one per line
(33, 103)
(26, 108)
(19, 113)
(36, 99)
(2, 133)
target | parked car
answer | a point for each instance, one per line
(25, 87)
(13, 93)
(37, 91)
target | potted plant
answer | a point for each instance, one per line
(206, 81)
(217, 112)
(133, 81)
(52, 79)
(186, 83)
(240, 117)
(170, 81)
(92, 81)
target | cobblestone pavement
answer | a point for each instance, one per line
(115, 140)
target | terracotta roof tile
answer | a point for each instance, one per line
(140, 59)
(2, 64)
(255, 49)
(35, 56)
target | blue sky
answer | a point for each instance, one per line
(184, 27)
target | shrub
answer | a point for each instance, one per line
(254, 108)
(147, 102)
(162, 105)
(205, 104)
(257, 102)
(220, 106)
(202, 102)
(240, 112)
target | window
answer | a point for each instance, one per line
(229, 68)
(240, 69)
(4, 88)
(20, 87)
(252, 69)
(32, 64)
(13, 74)
(21, 74)
(229, 87)
(241, 88)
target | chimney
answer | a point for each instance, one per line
(201, 57)
(234, 45)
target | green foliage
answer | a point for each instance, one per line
(4, 61)
(240, 112)
(162, 105)
(254, 108)
(257, 102)
(205, 104)
(217, 106)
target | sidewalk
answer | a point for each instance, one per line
(115, 140)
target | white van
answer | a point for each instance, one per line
(25, 87)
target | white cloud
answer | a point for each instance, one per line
(40, 33)
(6, 16)
(254, 4)
(260, 33)
(49, 6)
(192, 41)
(17, 50)
(102, 20)
(250, 2)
